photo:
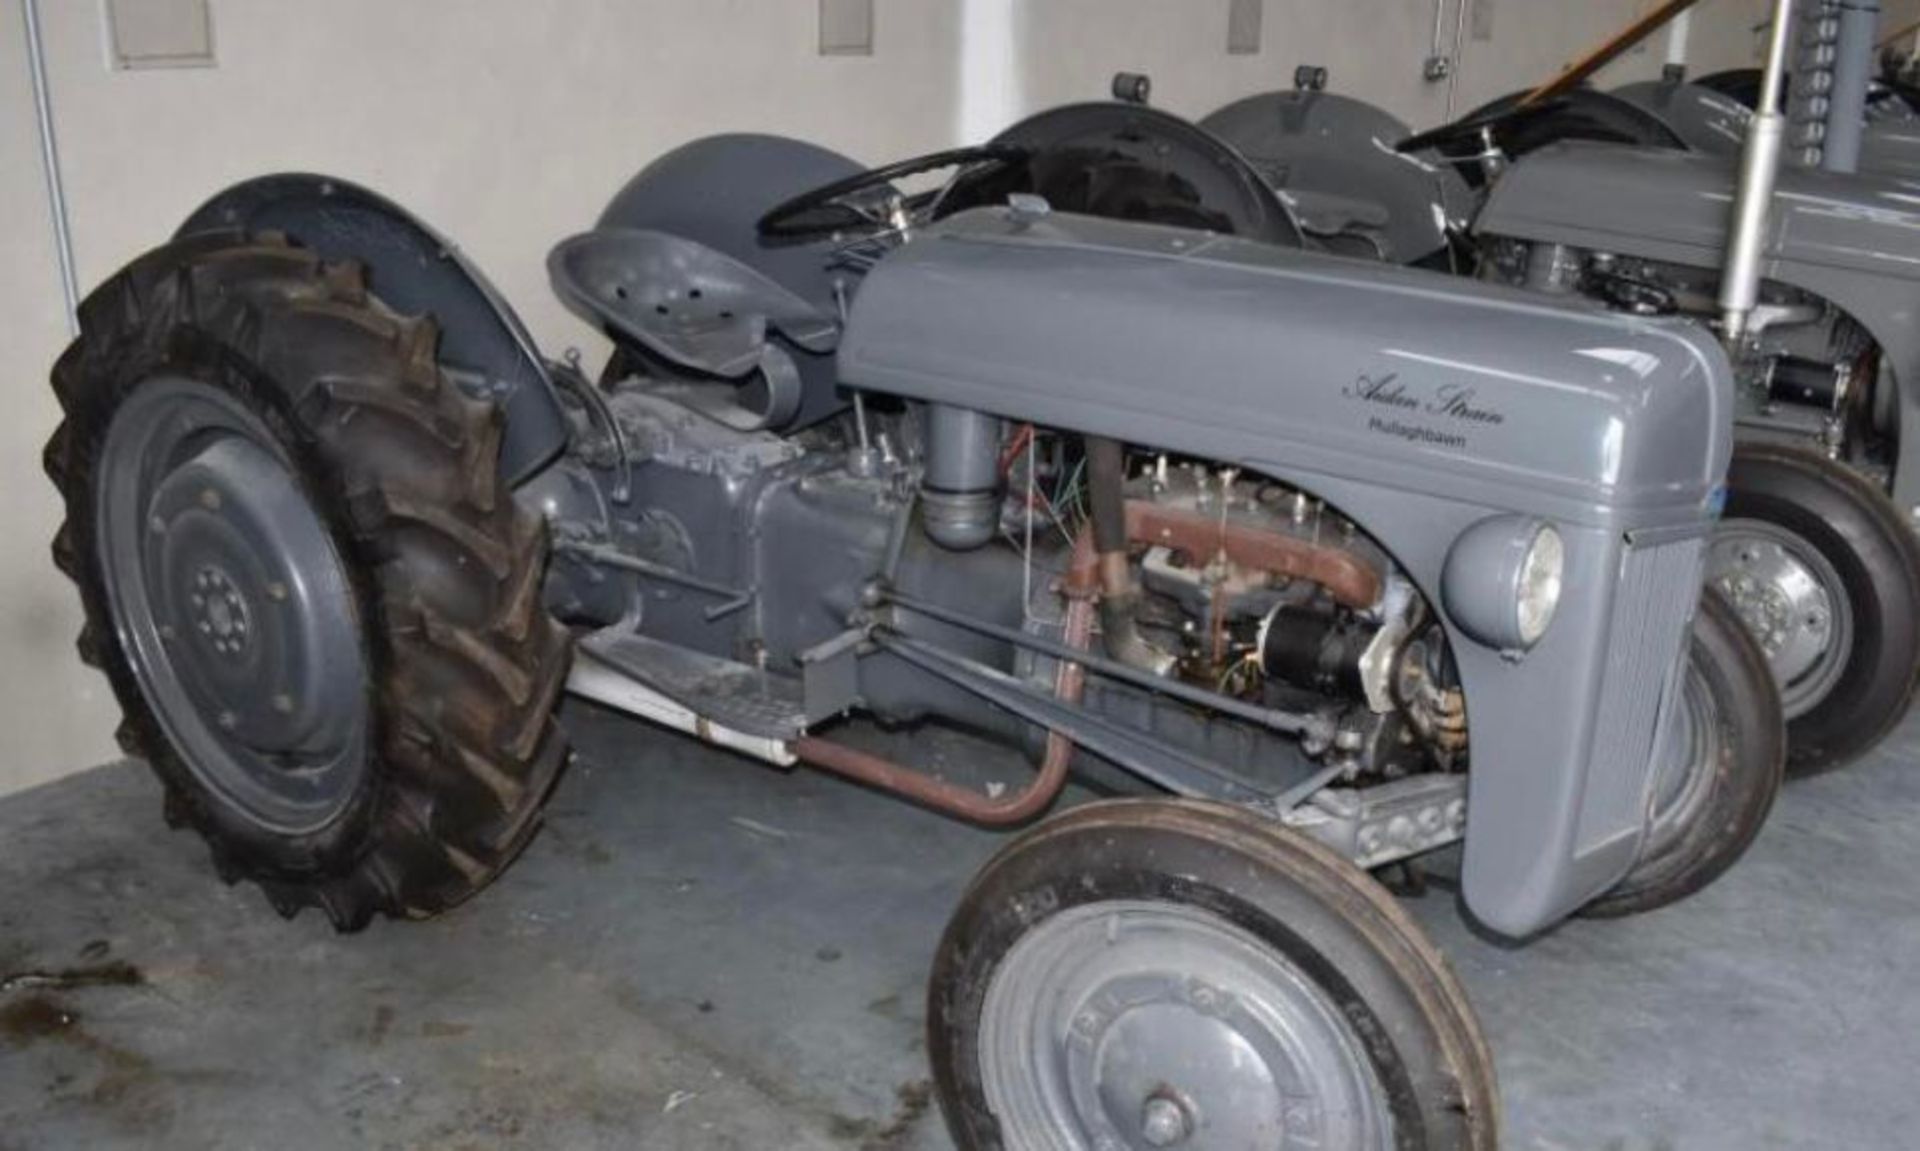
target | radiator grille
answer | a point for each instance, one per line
(1658, 589)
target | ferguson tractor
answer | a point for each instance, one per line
(1581, 195)
(1343, 564)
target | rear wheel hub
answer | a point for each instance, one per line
(235, 604)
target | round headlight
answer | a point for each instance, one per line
(1503, 579)
(1540, 579)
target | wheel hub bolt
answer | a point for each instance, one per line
(1164, 1123)
(219, 611)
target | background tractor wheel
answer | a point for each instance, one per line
(1824, 572)
(1725, 759)
(316, 600)
(1165, 973)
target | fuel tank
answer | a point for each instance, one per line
(1237, 350)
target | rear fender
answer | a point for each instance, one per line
(1314, 144)
(1708, 121)
(416, 271)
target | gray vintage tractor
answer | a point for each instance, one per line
(1582, 197)
(1341, 569)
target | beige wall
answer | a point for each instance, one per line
(507, 123)
(54, 714)
(1374, 49)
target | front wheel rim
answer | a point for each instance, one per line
(1793, 602)
(1137, 1024)
(231, 604)
(1696, 745)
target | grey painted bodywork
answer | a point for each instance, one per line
(1324, 144)
(1708, 121)
(1419, 408)
(1854, 241)
(1891, 149)
(1716, 125)
(416, 271)
(1338, 377)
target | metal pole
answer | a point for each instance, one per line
(1753, 200)
(1459, 52)
(50, 164)
(1853, 66)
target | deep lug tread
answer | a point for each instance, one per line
(346, 282)
(444, 815)
(346, 396)
(475, 540)
(474, 650)
(63, 555)
(53, 457)
(520, 604)
(524, 736)
(87, 644)
(419, 343)
(478, 464)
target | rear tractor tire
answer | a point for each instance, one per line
(1168, 973)
(1825, 573)
(317, 602)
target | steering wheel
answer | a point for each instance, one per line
(867, 201)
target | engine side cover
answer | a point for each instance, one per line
(1241, 351)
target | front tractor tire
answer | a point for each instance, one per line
(316, 600)
(1725, 759)
(1826, 574)
(1168, 973)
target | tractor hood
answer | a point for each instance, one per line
(1676, 206)
(1236, 350)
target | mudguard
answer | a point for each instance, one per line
(1417, 406)
(1854, 241)
(1891, 146)
(415, 270)
(1221, 180)
(1582, 114)
(1707, 121)
(1323, 144)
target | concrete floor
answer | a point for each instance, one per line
(703, 953)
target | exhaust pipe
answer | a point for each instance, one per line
(1106, 480)
(1753, 201)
